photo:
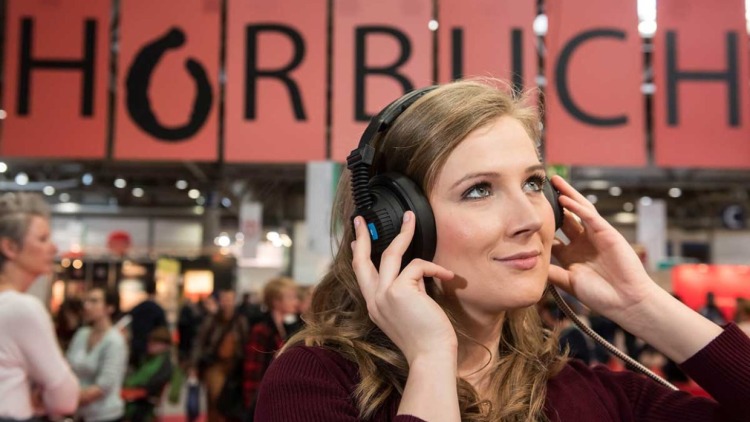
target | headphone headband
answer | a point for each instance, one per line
(383, 121)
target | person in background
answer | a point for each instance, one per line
(305, 299)
(98, 355)
(742, 315)
(711, 311)
(251, 310)
(144, 386)
(281, 298)
(147, 315)
(218, 351)
(608, 330)
(191, 317)
(68, 320)
(32, 367)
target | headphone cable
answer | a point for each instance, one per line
(599, 339)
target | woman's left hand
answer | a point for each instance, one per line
(599, 267)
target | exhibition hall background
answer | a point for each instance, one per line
(209, 134)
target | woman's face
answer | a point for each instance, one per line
(94, 306)
(288, 301)
(494, 226)
(37, 254)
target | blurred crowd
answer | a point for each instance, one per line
(96, 364)
(126, 363)
(93, 363)
(582, 347)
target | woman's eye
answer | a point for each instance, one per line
(535, 183)
(480, 190)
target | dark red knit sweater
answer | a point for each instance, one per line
(316, 384)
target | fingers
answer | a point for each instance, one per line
(418, 269)
(573, 201)
(361, 262)
(560, 278)
(390, 261)
(571, 227)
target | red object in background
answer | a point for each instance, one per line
(119, 242)
(691, 282)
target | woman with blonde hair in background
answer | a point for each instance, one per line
(428, 312)
(281, 299)
(31, 363)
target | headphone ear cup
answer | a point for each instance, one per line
(552, 196)
(393, 194)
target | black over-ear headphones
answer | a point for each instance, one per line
(382, 199)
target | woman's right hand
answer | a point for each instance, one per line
(397, 301)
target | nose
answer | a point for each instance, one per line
(524, 215)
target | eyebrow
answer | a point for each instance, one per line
(470, 176)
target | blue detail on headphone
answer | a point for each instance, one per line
(373, 231)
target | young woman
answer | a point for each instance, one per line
(31, 363)
(98, 354)
(456, 336)
(281, 298)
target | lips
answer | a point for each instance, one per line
(521, 261)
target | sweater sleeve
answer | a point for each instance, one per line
(301, 386)
(44, 359)
(722, 368)
(113, 365)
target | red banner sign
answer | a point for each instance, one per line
(168, 74)
(594, 106)
(286, 99)
(491, 38)
(381, 50)
(55, 85)
(276, 81)
(701, 105)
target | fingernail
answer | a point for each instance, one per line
(407, 217)
(356, 221)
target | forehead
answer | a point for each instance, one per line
(96, 294)
(501, 146)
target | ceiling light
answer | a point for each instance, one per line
(226, 202)
(64, 197)
(675, 192)
(120, 183)
(598, 184)
(22, 179)
(432, 25)
(628, 207)
(615, 191)
(87, 179)
(48, 190)
(646, 201)
(138, 192)
(181, 184)
(540, 24)
(3, 167)
(200, 201)
(194, 193)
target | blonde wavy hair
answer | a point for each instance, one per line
(417, 145)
